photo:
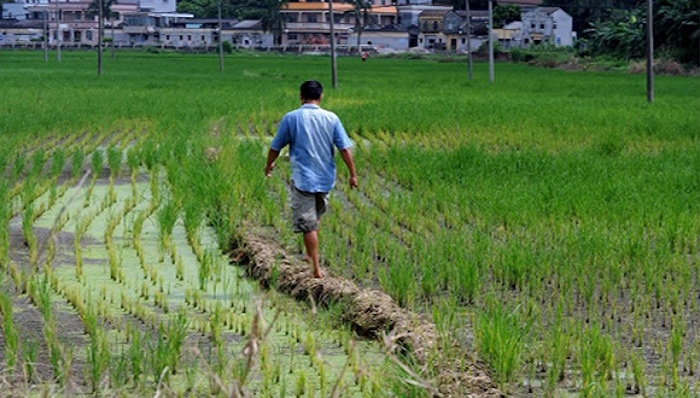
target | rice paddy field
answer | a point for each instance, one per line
(547, 225)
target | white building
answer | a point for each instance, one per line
(547, 25)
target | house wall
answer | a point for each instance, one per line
(563, 33)
(14, 10)
(394, 40)
(554, 27)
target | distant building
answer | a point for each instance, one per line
(447, 30)
(510, 35)
(547, 25)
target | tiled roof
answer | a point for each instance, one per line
(383, 9)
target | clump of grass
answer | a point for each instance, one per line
(97, 161)
(114, 161)
(10, 332)
(5, 214)
(166, 217)
(499, 338)
(77, 163)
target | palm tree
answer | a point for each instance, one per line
(361, 7)
(271, 18)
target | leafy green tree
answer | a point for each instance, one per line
(622, 35)
(271, 18)
(505, 14)
(586, 12)
(677, 30)
(360, 10)
(267, 11)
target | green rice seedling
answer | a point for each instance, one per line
(300, 385)
(10, 332)
(29, 352)
(638, 372)
(58, 160)
(675, 347)
(114, 161)
(77, 163)
(597, 361)
(38, 159)
(28, 216)
(98, 353)
(97, 161)
(18, 165)
(5, 214)
(499, 338)
(136, 358)
(193, 217)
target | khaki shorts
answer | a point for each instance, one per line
(307, 209)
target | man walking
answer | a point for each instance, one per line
(311, 133)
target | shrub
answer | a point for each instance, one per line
(227, 47)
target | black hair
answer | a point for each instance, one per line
(311, 90)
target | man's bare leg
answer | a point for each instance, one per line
(311, 243)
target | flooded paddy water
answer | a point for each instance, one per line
(107, 258)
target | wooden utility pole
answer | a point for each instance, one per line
(100, 34)
(492, 76)
(58, 33)
(469, 39)
(46, 37)
(334, 65)
(650, 51)
(221, 40)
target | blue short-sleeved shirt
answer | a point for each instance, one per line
(311, 133)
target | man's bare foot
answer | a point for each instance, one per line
(318, 274)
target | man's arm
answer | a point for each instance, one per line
(350, 162)
(271, 157)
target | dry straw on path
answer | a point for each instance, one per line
(371, 313)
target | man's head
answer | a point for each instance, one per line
(311, 90)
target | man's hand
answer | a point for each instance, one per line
(268, 169)
(271, 156)
(350, 162)
(353, 182)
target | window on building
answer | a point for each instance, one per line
(189, 37)
(464, 40)
(541, 26)
(435, 25)
(292, 36)
(532, 26)
(202, 38)
(180, 37)
(311, 18)
(167, 37)
(425, 25)
(554, 25)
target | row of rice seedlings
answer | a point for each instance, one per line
(61, 357)
(5, 214)
(9, 330)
